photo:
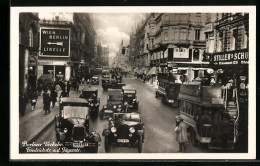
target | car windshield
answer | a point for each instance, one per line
(88, 94)
(129, 95)
(94, 78)
(128, 117)
(114, 97)
(72, 111)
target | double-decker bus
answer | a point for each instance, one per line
(211, 116)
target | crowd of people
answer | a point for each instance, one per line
(51, 91)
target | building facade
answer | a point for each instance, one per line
(177, 40)
(28, 50)
(227, 37)
(67, 46)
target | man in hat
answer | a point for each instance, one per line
(181, 134)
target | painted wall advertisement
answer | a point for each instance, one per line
(55, 42)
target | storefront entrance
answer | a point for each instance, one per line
(57, 71)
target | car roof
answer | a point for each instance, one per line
(89, 89)
(73, 100)
(114, 91)
(135, 113)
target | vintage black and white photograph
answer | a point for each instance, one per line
(104, 83)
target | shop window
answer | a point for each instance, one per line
(196, 73)
(197, 34)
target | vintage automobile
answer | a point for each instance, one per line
(124, 129)
(72, 126)
(130, 99)
(114, 103)
(94, 80)
(106, 79)
(91, 94)
(118, 78)
(109, 83)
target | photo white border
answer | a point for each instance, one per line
(14, 82)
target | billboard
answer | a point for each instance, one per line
(55, 42)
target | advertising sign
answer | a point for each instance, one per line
(181, 53)
(55, 42)
(208, 27)
(230, 58)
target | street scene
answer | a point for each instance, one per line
(133, 83)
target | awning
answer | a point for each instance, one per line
(153, 71)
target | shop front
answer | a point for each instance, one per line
(60, 70)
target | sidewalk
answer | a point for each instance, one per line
(34, 122)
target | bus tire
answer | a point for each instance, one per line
(193, 140)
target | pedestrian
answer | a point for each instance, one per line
(181, 134)
(58, 89)
(77, 86)
(54, 96)
(46, 102)
(39, 89)
(64, 94)
(22, 102)
(33, 98)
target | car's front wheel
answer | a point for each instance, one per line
(140, 144)
(107, 144)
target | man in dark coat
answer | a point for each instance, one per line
(46, 102)
(53, 97)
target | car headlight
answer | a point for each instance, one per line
(119, 106)
(105, 106)
(65, 130)
(91, 104)
(114, 106)
(113, 129)
(132, 130)
(134, 99)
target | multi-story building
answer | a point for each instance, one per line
(105, 56)
(28, 50)
(86, 44)
(178, 40)
(227, 46)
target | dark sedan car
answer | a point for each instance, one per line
(94, 80)
(124, 129)
(72, 126)
(114, 103)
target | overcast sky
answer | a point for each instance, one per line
(111, 28)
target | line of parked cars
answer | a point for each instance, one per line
(125, 124)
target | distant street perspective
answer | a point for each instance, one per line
(133, 83)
